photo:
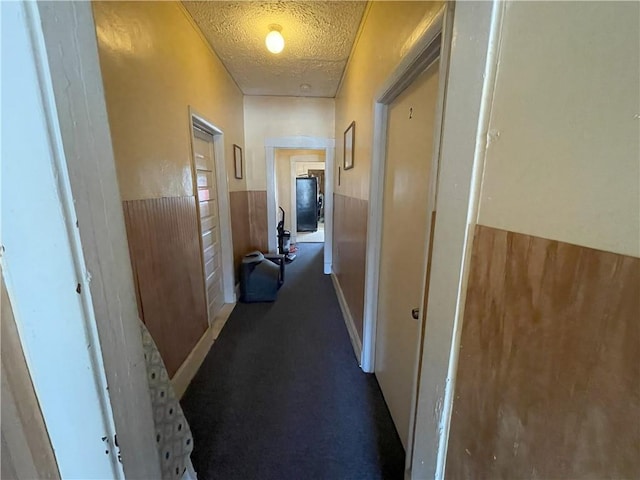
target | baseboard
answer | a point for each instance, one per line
(348, 320)
(182, 378)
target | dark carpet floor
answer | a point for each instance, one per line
(280, 395)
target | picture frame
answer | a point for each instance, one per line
(349, 142)
(237, 161)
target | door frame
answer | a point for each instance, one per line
(430, 47)
(301, 143)
(294, 209)
(426, 50)
(224, 206)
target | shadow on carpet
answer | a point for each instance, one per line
(280, 394)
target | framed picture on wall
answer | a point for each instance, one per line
(349, 139)
(237, 161)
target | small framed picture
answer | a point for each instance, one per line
(349, 140)
(237, 161)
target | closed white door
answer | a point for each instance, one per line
(407, 180)
(207, 197)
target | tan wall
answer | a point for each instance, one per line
(386, 35)
(273, 117)
(155, 64)
(564, 158)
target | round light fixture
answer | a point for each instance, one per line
(274, 40)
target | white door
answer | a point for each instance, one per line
(407, 180)
(207, 197)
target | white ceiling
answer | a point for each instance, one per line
(318, 38)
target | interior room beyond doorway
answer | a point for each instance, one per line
(300, 191)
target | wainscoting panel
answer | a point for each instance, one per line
(349, 252)
(240, 230)
(548, 382)
(167, 266)
(258, 220)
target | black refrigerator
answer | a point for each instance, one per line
(307, 204)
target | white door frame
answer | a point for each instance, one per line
(294, 208)
(83, 332)
(460, 134)
(224, 208)
(431, 46)
(306, 143)
(426, 50)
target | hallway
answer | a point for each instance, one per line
(280, 395)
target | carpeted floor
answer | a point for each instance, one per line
(280, 395)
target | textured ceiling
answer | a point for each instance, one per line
(318, 38)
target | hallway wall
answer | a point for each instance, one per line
(548, 374)
(274, 117)
(386, 35)
(155, 64)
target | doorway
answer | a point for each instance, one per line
(293, 144)
(401, 362)
(214, 217)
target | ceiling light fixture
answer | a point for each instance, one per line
(274, 40)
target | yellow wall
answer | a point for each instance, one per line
(274, 117)
(386, 35)
(563, 162)
(155, 64)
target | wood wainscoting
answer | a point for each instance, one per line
(548, 382)
(167, 268)
(248, 223)
(240, 228)
(349, 252)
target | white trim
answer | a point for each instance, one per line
(293, 201)
(272, 216)
(488, 88)
(348, 319)
(471, 58)
(300, 142)
(374, 237)
(310, 143)
(183, 376)
(423, 53)
(329, 166)
(224, 209)
(439, 32)
(73, 342)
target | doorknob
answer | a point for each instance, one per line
(415, 313)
